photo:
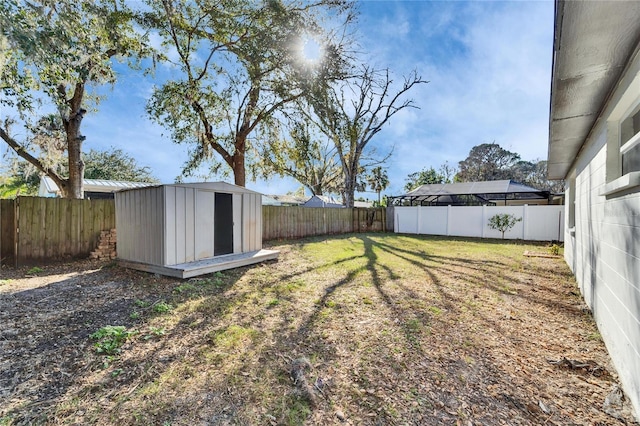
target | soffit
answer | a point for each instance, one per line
(593, 43)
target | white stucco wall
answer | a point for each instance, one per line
(603, 250)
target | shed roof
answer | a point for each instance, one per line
(593, 43)
(480, 192)
(211, 186)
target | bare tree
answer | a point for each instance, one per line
(303, 156)
(352, 112)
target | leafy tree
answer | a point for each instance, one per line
(20, 178)
(238, 64)
(378, 181)
(487, 161)
(503, 222)
(305, 158)
(352, 112)
(424, 177)
(534, 174)
(115, 165)
(55, 51)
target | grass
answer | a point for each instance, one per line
(393, 325)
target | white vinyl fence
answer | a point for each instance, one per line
(539, 223)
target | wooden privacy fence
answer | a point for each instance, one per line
(297, 222)
(35, 229)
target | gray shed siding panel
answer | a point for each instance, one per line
(251, 240)
(138, 219)
(204, 226)
(169, 226)
(189, 226)
(237, 223)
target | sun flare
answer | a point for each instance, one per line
(310, 50)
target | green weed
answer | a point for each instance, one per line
(434, 310)
(155, 332)
(35, 270)
(185, 287)
(594, 336)
(110, 339)
(162, 308)
(141, 303)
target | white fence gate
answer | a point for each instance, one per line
(539, 223)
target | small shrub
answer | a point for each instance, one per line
(503, 222)
(554, 250)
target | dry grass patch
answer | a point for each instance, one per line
(378, 329)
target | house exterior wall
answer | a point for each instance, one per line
(139, 221)
(603, 247)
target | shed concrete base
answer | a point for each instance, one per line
(204, 266)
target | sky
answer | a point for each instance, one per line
(488, 64)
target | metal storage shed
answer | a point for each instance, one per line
(190, 229)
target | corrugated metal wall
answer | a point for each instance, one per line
(139, 221)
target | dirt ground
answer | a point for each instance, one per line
(268, 344)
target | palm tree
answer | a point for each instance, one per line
(378, 180)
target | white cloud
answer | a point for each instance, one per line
(489, 68)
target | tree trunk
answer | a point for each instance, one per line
(75, 187)
(349, 190)
(239, 172)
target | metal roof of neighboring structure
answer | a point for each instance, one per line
(593, 43)
(92, 185)
(290, 199)
(484, 192)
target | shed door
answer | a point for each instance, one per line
(223, 224)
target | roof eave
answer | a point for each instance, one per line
(593, 43)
